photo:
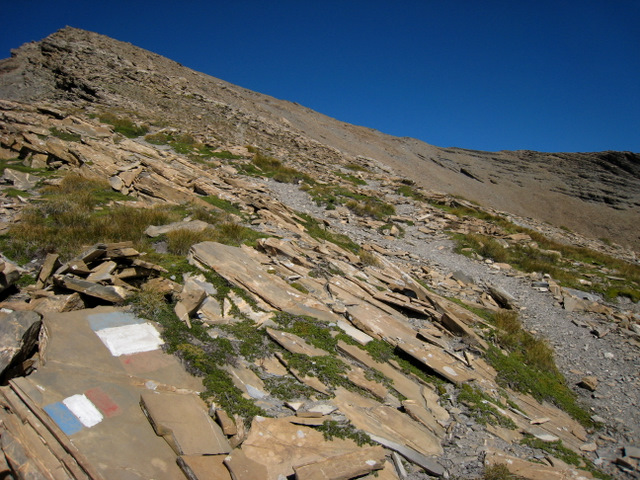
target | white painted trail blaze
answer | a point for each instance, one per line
(130, 339)
(84, 410)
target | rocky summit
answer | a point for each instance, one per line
(199, 281)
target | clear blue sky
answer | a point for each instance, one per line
(488, 75)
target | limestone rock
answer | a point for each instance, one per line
(589, 382)
(343, 467)
(9, 274)
(280, 446)
(386, 422)
(244, 467)
(193, 226)
(183, 421)
(504, 298)
(18, 338)
(204, 467)
(20, 180)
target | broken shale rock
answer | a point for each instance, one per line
(184, 423)
(281, 447)
(19, 333)
(344, 467)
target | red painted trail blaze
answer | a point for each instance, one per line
(103, 402)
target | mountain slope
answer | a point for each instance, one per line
(595, 194)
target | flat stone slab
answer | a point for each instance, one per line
(110, 293)
(344, 467)
(93, 396)
(193, 226)
(438, 361)
(430, 465)
(245, 467)
(386, 422)
(235, 265)
(204, 467)
(184, 422)
(295, 344)
(280, 446)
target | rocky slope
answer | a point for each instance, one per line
(344, 314)
(595, 194)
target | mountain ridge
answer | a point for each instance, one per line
(595, 193)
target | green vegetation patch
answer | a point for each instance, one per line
(252, 342)
(65, 135)
(332, 429)
(383, 352)
(350, 178)
(566, 264)
(328, 369)
(225, 155)
(186, 144)
(123, 125)
(73, 214)
(270, 167)
(369, 258)
(498, 472)
(354, 167)
(515, 373)
(223, 204)
(79, 212)
(483, 407)
(17, 165)
(558, 450)
(288, 388)
(313, 331)
(410, 192)
(14, 193)
(316, 231)
(180, 241)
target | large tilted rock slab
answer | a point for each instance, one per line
(237, 267)
(281, 446)
(184, 422)
(438, 361)
(110, 293)
(344, 467)
(294, 343)
(18, 337)
(193, 226)
(386, 422)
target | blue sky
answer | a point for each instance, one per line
(487, 75)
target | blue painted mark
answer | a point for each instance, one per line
(66, 420)
(100, 321)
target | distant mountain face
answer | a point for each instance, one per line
(596, 194)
